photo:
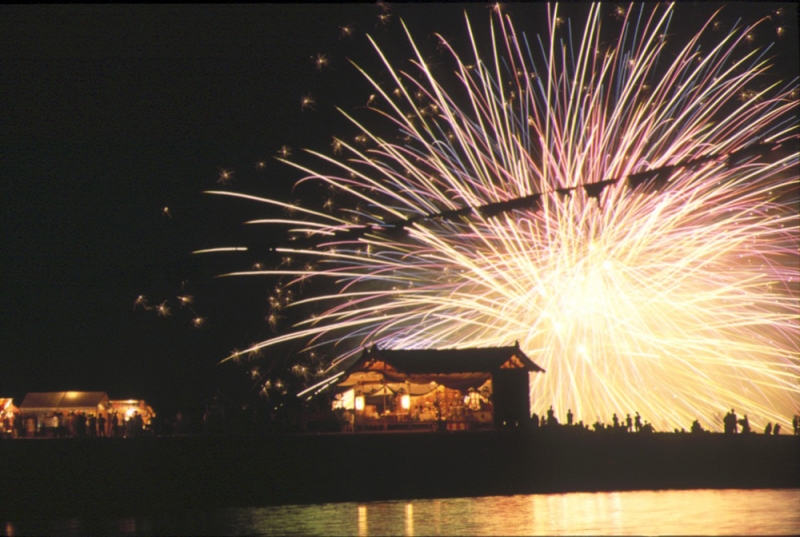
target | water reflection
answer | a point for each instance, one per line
(362, 521)
(409, 520)
(693, 512)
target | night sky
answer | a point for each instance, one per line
(112, 113)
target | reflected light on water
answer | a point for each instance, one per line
(668, 512)
(362, 521)
(409, 519)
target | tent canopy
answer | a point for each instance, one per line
(51, 401)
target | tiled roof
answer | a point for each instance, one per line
(470, 360)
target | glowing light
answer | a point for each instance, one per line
(346, 31)
(225, 177)
(163, 310)
(225, 249)
(632, 296)
(320, 61)
(359, 401)
(405, 401)
(308, 102)
(141, 300)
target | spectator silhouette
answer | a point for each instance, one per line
(768, 429)
(745, 424)
(638, 422)
(569, 417)
(731, 423)
(551, 417)
(113, 424)
(777, 429)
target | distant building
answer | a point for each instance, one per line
(417, 388)
(129, 407)
(7, 407)
(44, 408)
(8, 413)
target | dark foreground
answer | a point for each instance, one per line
(83, 477)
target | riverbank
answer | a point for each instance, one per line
(82, 477)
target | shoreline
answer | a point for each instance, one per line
(126, 476)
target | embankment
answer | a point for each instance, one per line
(76, 477)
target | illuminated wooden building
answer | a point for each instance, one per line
(450, 388)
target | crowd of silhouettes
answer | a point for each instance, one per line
(732, 424)
(73, 424)
(629, 424)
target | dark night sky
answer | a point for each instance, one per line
(111, 113)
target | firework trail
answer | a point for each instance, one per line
(677, 297)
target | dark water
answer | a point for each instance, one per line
(692, 512)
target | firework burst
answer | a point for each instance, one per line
(601, 205)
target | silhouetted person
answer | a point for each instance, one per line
(734, 422)
(551, 416)
(768, 429)
(115, 424)
(615, 420)
(101, 425)
(569, 417)
(745, 424)
(80, 424)
(60, 425)
(637, 422)
(795, 424)
(535, 421)
(777, 429)
(696, 427)
(347, 426)
(71, 423)
(628, 423)
(138, 424)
